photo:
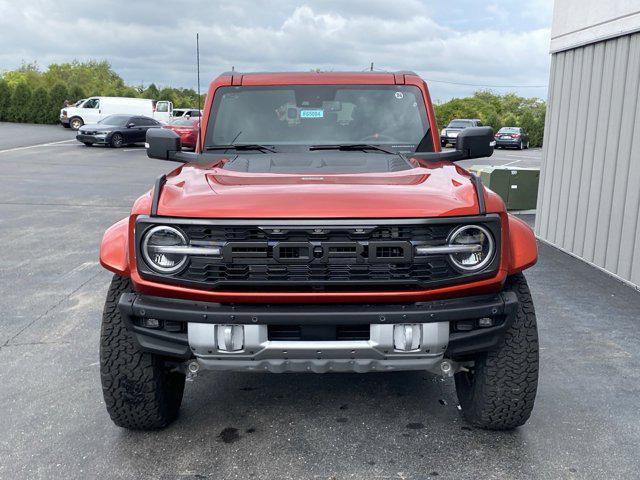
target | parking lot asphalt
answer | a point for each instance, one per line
(55, 203)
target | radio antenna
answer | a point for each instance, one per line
(199, 98)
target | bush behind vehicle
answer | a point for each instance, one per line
(497, 111)
(19, 101)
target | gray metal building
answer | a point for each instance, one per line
(589, 193)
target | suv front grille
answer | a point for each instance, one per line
(305, 256)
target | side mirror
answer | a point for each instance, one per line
(131, 125)
(162, 143)
(472, 142)
(475, 142)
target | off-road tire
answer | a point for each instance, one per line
(117, 140)
(140, 392)
(499, 391)
(75, 123)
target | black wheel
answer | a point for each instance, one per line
(499, 391)
(139, 389)
(116, 140)
(88, 144)
(75, 123)
(520, 145)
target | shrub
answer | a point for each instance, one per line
(20, 103)
(38, 106)
(5, 100)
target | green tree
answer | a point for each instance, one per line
(19, 110)
(509, 110)
(5, 100)
(151, 92)
(38, 105)
(76, 92)
(57, 95)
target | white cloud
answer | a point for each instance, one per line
(147, 42)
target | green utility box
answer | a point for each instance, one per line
(518, 187)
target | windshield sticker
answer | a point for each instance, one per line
(315, 113)
(399, 95)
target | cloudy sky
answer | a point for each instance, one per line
(459, 45)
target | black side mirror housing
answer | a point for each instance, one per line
(131, 125)
(475, 142)
(162, 143)
(472, 142)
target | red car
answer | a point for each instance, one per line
(187, 128)
(319, 228)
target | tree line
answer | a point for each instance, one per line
(498, 111)
(31, 95)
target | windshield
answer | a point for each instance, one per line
(460, 124)
(509, 130)
(305, 115)
(115, 120)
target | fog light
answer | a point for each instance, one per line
(407, 336)
(464, 325)
(485, 322)
(230, 337)
(171, 326)
(151, 322)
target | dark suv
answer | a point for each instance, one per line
(449, 134)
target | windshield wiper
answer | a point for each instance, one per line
(352, 146)
(242, 146)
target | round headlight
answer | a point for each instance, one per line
(480, 247)
(158, 252)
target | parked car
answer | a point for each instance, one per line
(116, 130)
(187, 128)
(186, 112)
(95, 109)
(317, 230)
(514, 137)
(449, 134)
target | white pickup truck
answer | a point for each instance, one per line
(94, 109)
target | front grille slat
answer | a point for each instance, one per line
(322, 257)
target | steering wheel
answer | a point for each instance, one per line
(376, 138)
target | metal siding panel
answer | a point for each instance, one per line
(599, 150)
(568, 159)
(550, 139)
(629, 258)
(547, 140)
(578, 173)
(589, 141)
(589, 199)
(606, 206)
(555, 183)
(616, 241)
(558, 180)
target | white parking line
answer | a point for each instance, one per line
(510, 163)
(36, 146)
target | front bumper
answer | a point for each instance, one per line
(93, 139)
(193, 332)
